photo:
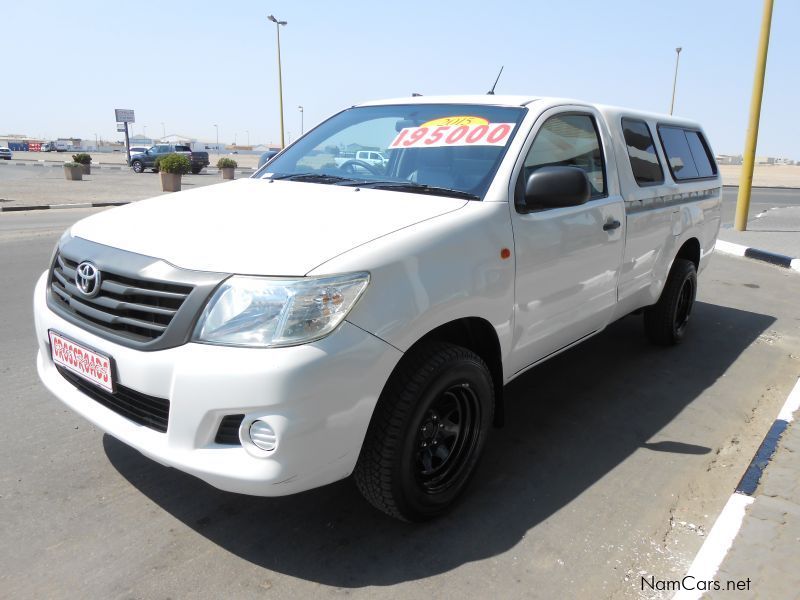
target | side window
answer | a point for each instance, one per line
(702, 156)
(642, 152)
(687, 152)
(569, 140)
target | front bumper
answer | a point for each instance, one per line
(318, 398)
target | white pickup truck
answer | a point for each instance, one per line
(361, 160)
(282, 332)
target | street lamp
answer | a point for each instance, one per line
(217, 128)
(675, 80)
(300, 108)
(280, 79)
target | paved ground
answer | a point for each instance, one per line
(776, 229)
(31, 185)
(119, 158)
(37, 185)
(768, 545)
(611, 452)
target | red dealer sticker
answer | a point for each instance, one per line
(90, 365)
(436, 136)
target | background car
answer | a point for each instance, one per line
(5, 154)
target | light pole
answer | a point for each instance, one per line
(300, 108)
(280, 78)
(749, 156)
(675, 79)
(217, 128)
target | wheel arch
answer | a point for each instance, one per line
(690, 250)
(479, 336)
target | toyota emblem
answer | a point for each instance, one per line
(87, 278)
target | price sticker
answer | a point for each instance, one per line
(434, 135)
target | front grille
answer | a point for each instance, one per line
(138, 309)
(228, 432)
(140, 408)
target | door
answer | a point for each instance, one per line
(568, 258)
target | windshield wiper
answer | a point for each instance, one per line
(312, 178)
(418, 188)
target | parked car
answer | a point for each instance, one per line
(5, 153)
(48, 147)
(361, 160)
(147, 159)
(285, 331)
(267, 156)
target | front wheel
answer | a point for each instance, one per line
(138, 166)
(665, 322)
(427, 433)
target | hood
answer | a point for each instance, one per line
(258, 227)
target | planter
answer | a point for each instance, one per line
(170, 182)
(87, 169)
(73, 173)
(227, 172)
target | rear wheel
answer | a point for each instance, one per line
(138, 166)
(665, 322)
(427, 433)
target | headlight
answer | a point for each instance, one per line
(262, 312)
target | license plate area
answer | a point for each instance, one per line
(93, 366)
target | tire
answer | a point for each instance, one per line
(427, 433)
(137, 166)
(665, 322)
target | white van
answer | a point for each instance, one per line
(278, 333)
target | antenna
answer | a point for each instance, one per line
(491, 91)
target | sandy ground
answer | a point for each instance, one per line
(764, 175)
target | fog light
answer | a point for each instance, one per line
(263, 436)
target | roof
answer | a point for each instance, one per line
(542, 103)
(485, 99)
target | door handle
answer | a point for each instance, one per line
(611, 225)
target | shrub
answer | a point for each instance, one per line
(71, 164)
(174, 163)
(82, 158)
(227, 163)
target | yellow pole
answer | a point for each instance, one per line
(748, 162)
(280, 81)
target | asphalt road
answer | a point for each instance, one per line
(610, 451)
(761, 199)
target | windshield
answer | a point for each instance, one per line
(440, 149)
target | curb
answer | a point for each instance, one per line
(773, 258)
(54, 206)
(719, 540)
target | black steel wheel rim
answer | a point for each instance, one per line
(446, 438)
(683, 310)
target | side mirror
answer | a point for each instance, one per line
(555, 187)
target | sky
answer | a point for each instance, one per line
(193, 64)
